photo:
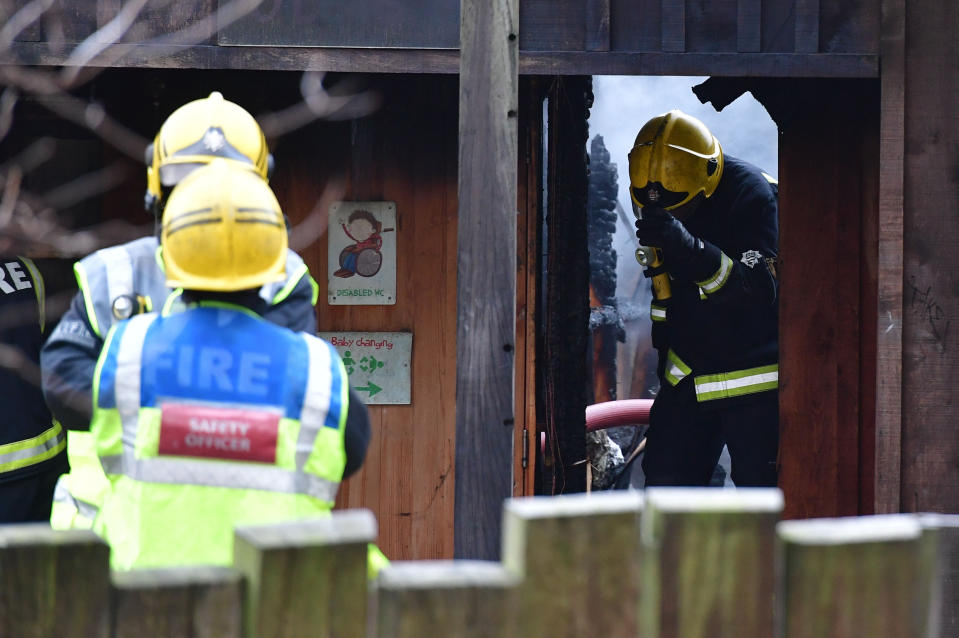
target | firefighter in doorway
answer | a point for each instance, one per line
(121, 281)
(714, 220)
(213, 417)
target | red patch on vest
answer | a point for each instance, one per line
(220, 433)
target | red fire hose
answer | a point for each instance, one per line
(608, 414)
(600, 416)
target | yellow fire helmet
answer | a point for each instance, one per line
(674, 158)
(223, 230)
(195, 134)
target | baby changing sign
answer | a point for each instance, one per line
(378, 364)
(362, 253)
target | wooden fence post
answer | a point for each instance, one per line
(578, 559)
(453, 599)
(53, 583)
(201, 602)
(852, 577)
(306, 578)
(940, 539)
(708, 558)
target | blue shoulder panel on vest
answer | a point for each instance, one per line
(223, 356)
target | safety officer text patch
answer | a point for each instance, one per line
(222, 433)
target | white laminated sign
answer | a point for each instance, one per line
(378, 364)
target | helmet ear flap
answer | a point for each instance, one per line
(269, 166)
(148, 154)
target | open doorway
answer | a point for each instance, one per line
(624, 361)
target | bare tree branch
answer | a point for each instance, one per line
(14, 26)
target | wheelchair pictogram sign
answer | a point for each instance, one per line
(362, 253)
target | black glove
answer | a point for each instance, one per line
(658, 228)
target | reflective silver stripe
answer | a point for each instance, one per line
(249, 476)
(716, 282)
(180, 471)
(737, 383)
(18, 454)
(316, 402)
(676, 370)
(127, 384)
(119, 272)
(657, 313)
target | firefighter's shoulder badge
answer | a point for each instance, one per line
(751, 257)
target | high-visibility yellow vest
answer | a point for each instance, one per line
(209, 419)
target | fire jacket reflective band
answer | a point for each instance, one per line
(283, 395)
(45, 445)
(676, 369)
(294, 273)
(737, 383)
(714, 283)
(38, 288)
(131, 269)
(657, 313)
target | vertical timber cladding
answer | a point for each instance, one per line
(405, 153)
(827, 247)
(486, 260)
(930, 304)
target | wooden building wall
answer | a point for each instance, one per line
(404, 153)
(930, 293)
(828, 175)
(772, 38)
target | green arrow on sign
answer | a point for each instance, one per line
(370, 387)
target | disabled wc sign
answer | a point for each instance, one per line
(362, 254)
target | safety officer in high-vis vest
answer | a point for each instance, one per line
(712, 221)
(121, 281)
(32, 446)
(213, 417)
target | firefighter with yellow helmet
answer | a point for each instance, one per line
(213, 417)
(713, 220)
(121, 281)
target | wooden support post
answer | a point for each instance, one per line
(708, 557)
(486, 284)
(53, 583)
(454, 599)
(578, 559)
(306, 578)
(889, 333)
(861, 576)
(202, 602)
